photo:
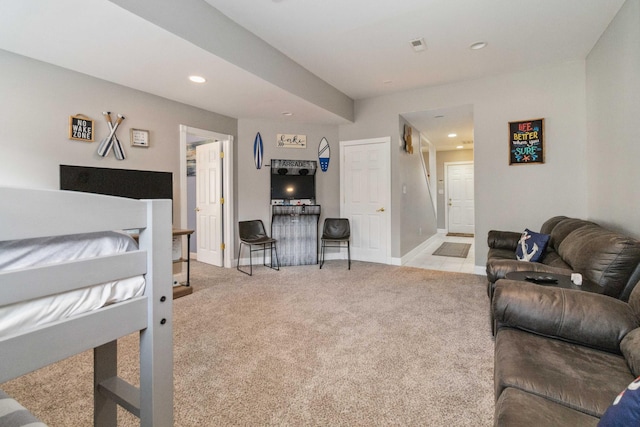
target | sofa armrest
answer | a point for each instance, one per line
(503, 239)
(585, 318)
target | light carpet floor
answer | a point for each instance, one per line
(376, 345)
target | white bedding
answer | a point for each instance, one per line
(19, 254)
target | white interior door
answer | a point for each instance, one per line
(460, 199)
(208, 203)
(365, 197)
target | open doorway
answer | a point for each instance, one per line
(449, 132)
(447, 147)
(220, 226)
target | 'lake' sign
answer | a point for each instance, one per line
(526, 141)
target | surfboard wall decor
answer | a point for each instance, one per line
(324, 154)
(258, 151)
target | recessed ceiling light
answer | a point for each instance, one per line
(478, 45)
(438, 116)
(452, 135)
(197, 79)
(287, 113)
(459, 147)
(387, 82)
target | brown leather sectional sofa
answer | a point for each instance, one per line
(604, 257)
(561, 355)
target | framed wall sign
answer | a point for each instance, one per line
(291, 141)
(526, 142)
(81, 128)
(139, 138)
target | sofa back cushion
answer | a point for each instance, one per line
(602, 256)
(549, 224)
(563, 228)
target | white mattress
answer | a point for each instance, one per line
(19, 254)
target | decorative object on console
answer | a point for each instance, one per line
(291, 141)
(81, 128)
(111, 141)
(531, 246)
(258, 151)
(139, 138)
(324, 154)
(526, 141)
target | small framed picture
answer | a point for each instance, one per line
(81, 128)
(526, 142)
(140, 138)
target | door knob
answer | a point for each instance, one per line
(380, 210)
(197, 209)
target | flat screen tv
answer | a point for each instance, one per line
(134, 184)
(293, 187)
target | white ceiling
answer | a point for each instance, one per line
(361, 47)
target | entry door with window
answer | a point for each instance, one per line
(460, 199)
(209, 203)
(365, 197)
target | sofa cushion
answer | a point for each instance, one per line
(550, 224)
(578, 377)
(552, 259)
(602, 256)
(531, 246)
(564, 227)
(518, 408)
(495, 253)
(583, 318)
(625, 410)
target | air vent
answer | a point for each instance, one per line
(467, 142)
(418, 44)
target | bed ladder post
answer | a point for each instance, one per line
(156, 341)
(105, 365)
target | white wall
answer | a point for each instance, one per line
(254, 186)
(613, 112)
(507, 197)
(37, 100)
(417, 213)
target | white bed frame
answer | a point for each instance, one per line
(29, 213)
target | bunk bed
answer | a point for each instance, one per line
(37, 217)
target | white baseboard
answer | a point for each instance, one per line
(479, 270)
(415, 251)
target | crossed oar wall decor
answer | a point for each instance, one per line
(112, 141)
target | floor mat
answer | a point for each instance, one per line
(457, 250)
